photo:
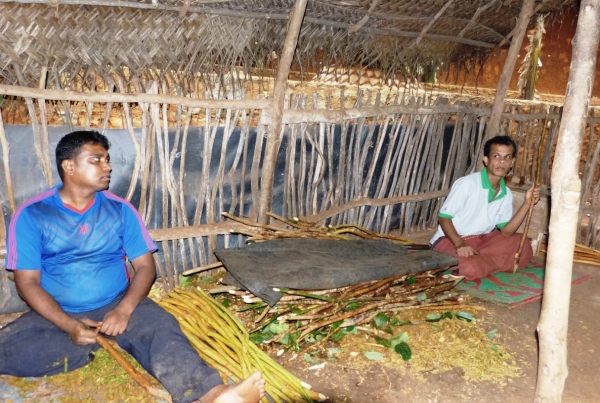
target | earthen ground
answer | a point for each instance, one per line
(516, 329)
(343, 382)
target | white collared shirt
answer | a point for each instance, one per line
(472, 207)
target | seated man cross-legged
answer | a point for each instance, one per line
(476, 221)
(68, 249)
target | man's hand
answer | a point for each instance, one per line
(464, 250)
(115, 322)
(28, 286)
(84, 331)
(532, 195)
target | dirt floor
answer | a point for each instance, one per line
(516, 327)
(516, 330)
(374, 381)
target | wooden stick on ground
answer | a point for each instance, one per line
(139, 378)
(202, 268)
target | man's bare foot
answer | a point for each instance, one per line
(250, 390)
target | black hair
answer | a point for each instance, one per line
(70, 145)
(499, 140)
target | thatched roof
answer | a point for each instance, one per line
(184, 38)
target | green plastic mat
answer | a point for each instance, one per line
(512, 289)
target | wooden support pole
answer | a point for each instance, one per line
(566, 198)
(509, 68)
(275, 111)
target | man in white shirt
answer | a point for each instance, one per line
(476, 222)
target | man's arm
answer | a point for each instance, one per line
(532, 196)
(115, 322)
(29, 288)
(462, 249)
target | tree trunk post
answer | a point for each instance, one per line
(275, 111)
(509, 68)
(566, 194)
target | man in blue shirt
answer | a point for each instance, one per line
(68, 248)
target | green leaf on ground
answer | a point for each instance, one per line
(336, 324)
(403, 349)
(351, 306)
(373, 355)
(266, 333)
(257, 338)
(398, 322)
(381, 319)
(403, 337)
(491, 334)
(279, 327)
(338, 336)
(185, 280)
(433, 317)
(465, 316)
(383, 341)
(309, 359)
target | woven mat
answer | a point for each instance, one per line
(512, 289)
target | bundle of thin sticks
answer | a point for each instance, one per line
(295, 228)
(223, 342)
(582, 254)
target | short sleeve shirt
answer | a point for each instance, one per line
(473, 208)
(81, 254)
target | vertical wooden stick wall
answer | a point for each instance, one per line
(368, 152)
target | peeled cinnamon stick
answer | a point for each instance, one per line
(139, 378)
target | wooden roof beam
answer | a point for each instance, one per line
(354, 28)
(475, 17)
(427, 27)
(64, 95)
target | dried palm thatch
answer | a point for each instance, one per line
(71, 39)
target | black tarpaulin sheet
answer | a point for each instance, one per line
(316, 264)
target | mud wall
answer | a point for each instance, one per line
(555, 60)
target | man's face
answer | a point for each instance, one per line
(500, 160)
(90, 169)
